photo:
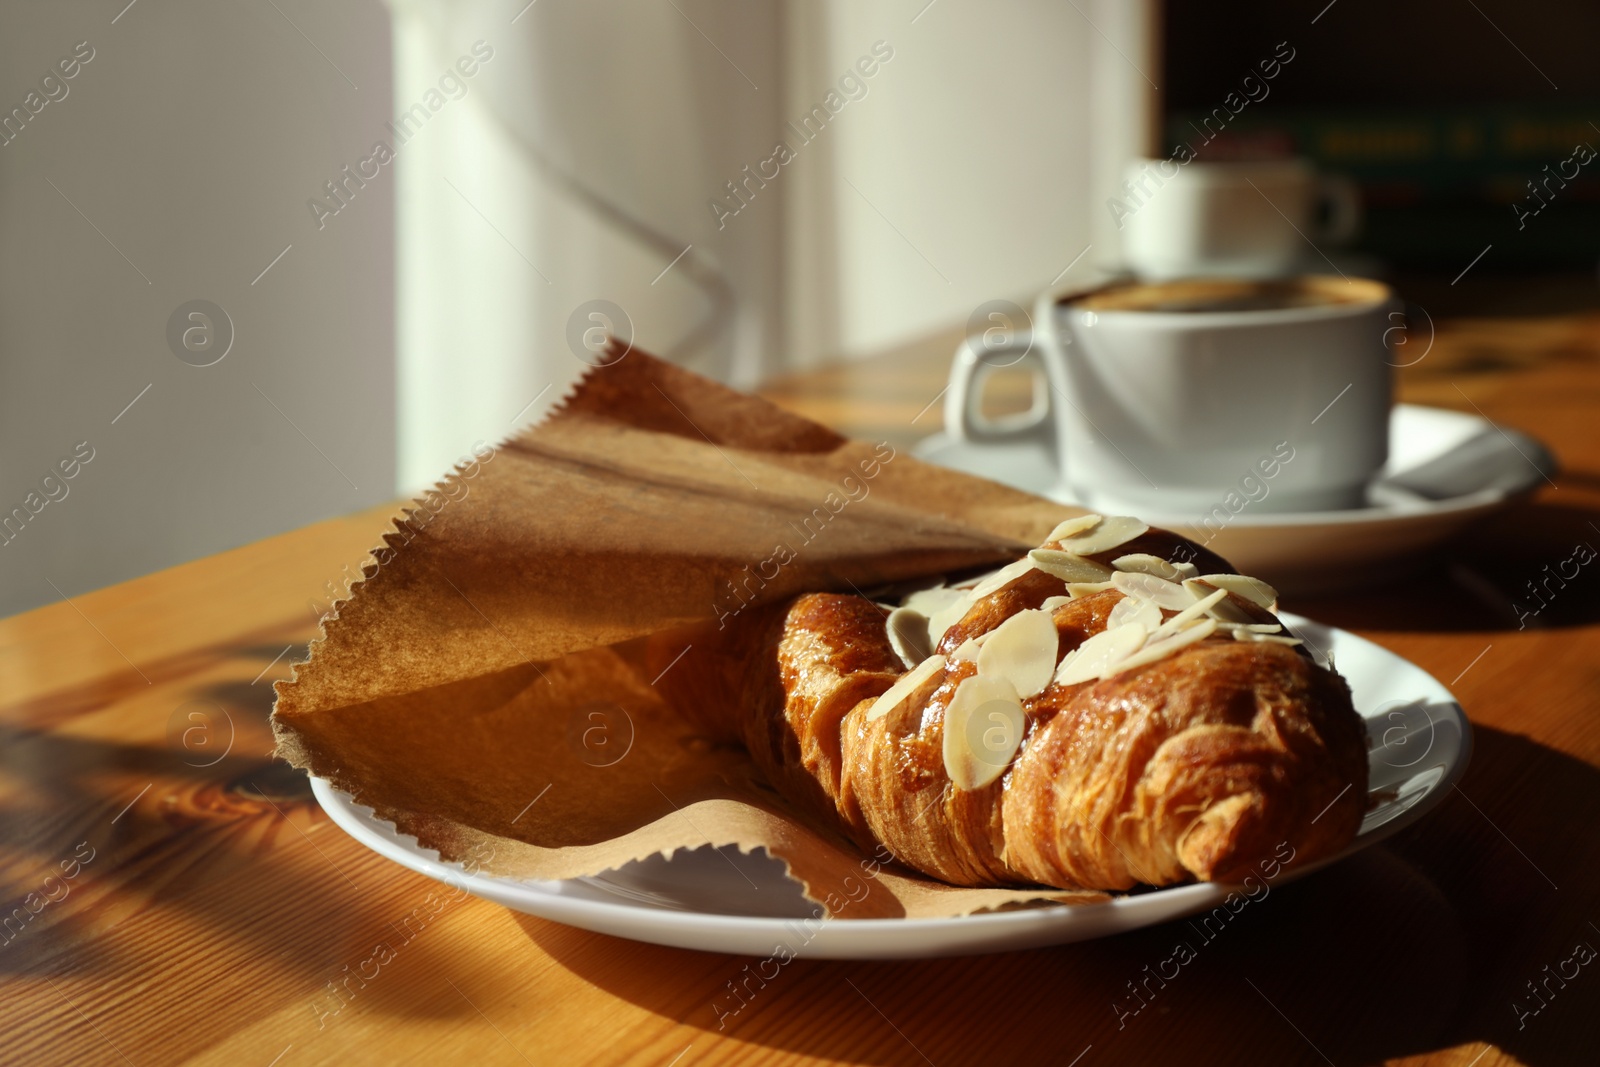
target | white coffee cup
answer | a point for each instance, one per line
(1165, 398)
(1245, 219)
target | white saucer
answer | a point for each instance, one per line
(1420, 745)
(1445, 469)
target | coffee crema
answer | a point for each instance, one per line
(1219, 295)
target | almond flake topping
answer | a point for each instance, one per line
(944, 608)
(1144, 563)
(940, 624)
(1244, 634)
(1016, 660)
(1159, 591)
(968, 649)
(1254, 590)
(1108, 533)
(1074, 526)
(931, 601)
(982, 730)
(908, 634)
(1002, 578)
(1068, 566)
(1233, 607)
(1157, 650)
(1096, 656)
(1022, 650)
(1191, 613)
(1132, 609)
(905, 688)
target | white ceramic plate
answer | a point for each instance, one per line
(1420, 745)
(1445, 469)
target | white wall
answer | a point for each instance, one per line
(976, 168)
(192, 140)
(974, 164)
(577, 167)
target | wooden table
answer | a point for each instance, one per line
(183, 899)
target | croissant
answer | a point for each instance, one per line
(1118, 708)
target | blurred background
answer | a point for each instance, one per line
(271, 262)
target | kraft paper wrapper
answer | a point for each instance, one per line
(490, 686)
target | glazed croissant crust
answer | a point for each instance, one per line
(1191, 761)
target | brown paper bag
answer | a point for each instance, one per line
(486, 687)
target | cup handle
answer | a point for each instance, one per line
(974, 362)
(1341, 198)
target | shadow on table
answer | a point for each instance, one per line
(1532, 566)
(227, 867)
(1423, 943)
(173, 822)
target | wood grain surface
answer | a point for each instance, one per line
(172, 895)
